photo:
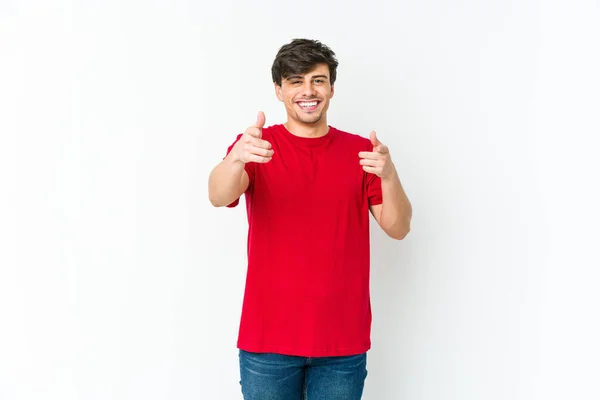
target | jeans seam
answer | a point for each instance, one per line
(305, 397)
(308, 359)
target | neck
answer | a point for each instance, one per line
(298, 128)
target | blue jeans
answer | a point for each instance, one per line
(268, 376)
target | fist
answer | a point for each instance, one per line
(251, 147)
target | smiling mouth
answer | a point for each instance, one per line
(308, 105)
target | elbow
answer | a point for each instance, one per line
(213, 195)
(215, 202)
(399, 234)
(220, 202)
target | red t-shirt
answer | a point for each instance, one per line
(307, 284)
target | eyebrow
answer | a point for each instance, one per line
(289, 78)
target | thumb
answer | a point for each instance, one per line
(260, 120)
(374, 141)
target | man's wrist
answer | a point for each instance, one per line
(233, 160)
(392, 176)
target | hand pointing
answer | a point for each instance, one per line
(378, 161)
(251, 147)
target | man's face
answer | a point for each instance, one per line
(306, 97)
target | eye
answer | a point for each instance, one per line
(295, 82)
(319, 81)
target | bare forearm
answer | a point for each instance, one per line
(225, 182)
(396, 211)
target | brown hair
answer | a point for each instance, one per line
(301, 56)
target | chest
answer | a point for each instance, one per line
(312, 173)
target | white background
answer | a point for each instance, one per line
(118, 280)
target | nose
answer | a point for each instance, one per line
(309, 88)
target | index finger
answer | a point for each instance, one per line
(263, 144)
(372, 155)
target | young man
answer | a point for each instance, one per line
(309, 188)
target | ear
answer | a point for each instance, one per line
(278, 91)
(332, 90)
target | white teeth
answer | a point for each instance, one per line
(308, 104)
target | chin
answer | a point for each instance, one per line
(313, 120)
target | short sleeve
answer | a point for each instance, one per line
(248, 167)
